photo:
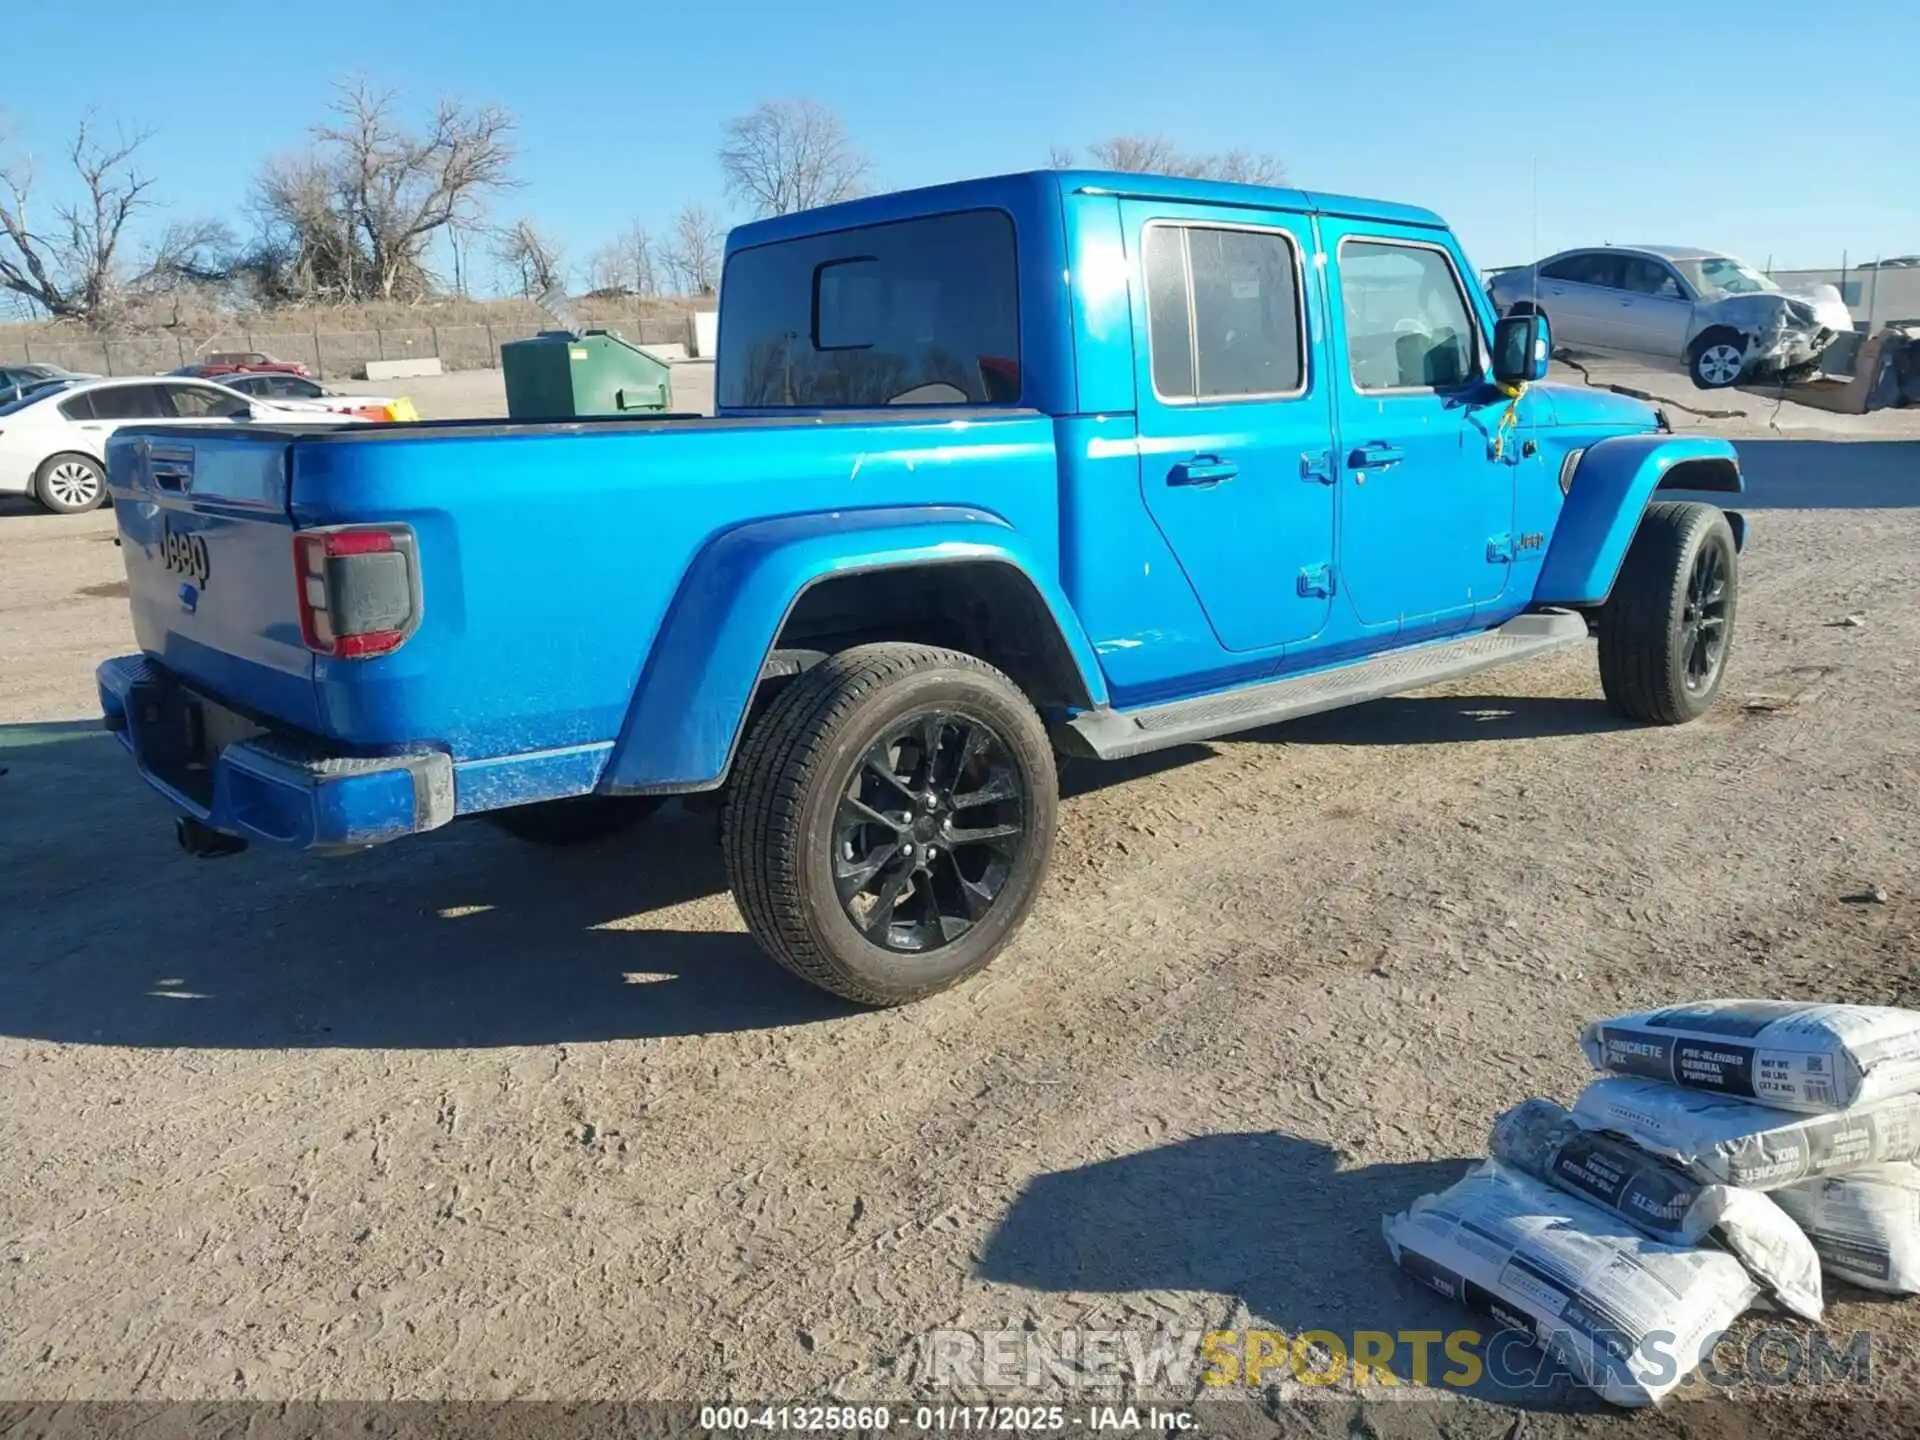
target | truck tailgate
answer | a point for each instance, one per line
(207, 536)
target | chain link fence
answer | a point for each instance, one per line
(340, 354)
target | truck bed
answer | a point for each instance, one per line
(548, 551)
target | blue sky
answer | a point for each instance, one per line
(1755, 127)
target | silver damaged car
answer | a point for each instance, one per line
(1722, 317)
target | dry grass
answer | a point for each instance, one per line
(202, 319)
(335, 339)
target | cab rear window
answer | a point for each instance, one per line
(918, 312)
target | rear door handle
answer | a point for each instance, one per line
(1375, 455)
(1204, 470)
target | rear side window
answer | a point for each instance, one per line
(919, 312)
(1408, 323)
(80, 407)
(1224, 318)
(127, 402)
(1585, 269)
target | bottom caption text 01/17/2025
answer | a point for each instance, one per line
(946, 1419)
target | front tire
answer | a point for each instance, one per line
(70, 483)
(1667, 629)
(1717, 359)
(890, 821)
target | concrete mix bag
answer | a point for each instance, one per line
(1736, 1142)
(1629, 1317)
(1662, 1201)
(1784, 1053)
(1865, 1224)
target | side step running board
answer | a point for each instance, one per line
(1114, 734)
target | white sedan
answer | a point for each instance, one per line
(53, 439)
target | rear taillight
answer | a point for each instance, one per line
(359, 589)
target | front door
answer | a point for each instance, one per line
(1233, 412)
(1425, 505)
(1656, 313)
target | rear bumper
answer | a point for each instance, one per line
(266, 786)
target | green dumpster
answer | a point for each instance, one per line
(562, 375)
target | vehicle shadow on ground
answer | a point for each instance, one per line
(1823, 475)
(465, 937)
(1401, 720)
(1268, 1219)
(1450, 720)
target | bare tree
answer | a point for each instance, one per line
(607, 273)
(694, 250)
(1157, 155)
(353, 218)
(625, 266)
(532, 258)
(788, 155)
(1060, 157)
(1141, 154)
(67, 262)
(1247, 168)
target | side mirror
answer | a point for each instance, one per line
(1522, 346)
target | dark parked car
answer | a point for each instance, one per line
(240, 362)
(16, 380)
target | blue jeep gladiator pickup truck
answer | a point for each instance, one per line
(1053, 463)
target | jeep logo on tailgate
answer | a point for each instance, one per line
(184, 552)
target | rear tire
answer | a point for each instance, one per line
(1667, 629)
(70, 483)
(890, 821)
(1717, 358)
(577, 821)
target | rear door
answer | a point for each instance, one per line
(1581, 297)
(1233, 414)
(1425, 508)
(96, 413)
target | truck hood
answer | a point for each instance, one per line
(1590, 408)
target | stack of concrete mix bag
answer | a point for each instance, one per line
(1732, 1153)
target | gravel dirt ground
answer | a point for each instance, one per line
(460, 1118)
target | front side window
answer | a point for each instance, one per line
(1224, 318)
(1408, 323)
(1649, 277)
(917, 312)
(195, 402)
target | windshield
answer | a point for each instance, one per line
(1723, 275)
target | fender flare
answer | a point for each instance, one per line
(684, 723)
(1612, 485)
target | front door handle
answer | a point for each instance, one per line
(1375, 455)
(1205, 470)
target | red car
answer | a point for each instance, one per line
(240, 362)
